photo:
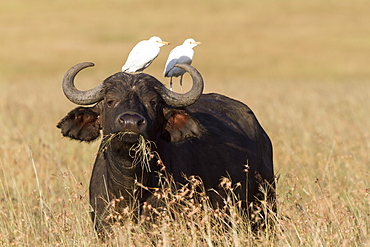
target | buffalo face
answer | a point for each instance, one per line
(131, 108)
(128, 106)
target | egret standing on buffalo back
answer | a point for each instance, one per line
(180, 54)
(143, 54)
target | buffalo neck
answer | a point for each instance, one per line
(123, 174)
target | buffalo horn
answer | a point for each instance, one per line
(188, 98)
(81, 97)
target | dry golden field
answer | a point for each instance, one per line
(302, 66)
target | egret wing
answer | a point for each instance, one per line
(141, 56)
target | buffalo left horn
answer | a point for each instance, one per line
(188, 98)
(81, 97)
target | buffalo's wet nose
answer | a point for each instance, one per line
(131, 121)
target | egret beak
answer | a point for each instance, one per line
(164, 42)
(196, 43)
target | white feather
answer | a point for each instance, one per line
(143, 54)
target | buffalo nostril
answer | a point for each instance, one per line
(123, 118)
(140, 122)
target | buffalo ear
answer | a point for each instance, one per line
(82, 123)
(180, 125)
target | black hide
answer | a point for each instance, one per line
(213, 138)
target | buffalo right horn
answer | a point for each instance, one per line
(81, 97)
(181, 100)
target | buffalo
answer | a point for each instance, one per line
(209, 136)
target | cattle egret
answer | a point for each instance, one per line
(143, 54)
(180, 54)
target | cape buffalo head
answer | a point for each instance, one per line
(127, 106)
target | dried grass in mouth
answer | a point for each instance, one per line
(141, 152)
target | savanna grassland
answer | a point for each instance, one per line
(302, 66)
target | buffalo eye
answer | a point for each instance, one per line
(110, 103)
(153, 103)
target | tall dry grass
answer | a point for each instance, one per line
(301, 66)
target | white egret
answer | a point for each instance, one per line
(180, 54)
(143, 54)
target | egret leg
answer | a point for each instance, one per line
(181, 84)
(171, 83)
